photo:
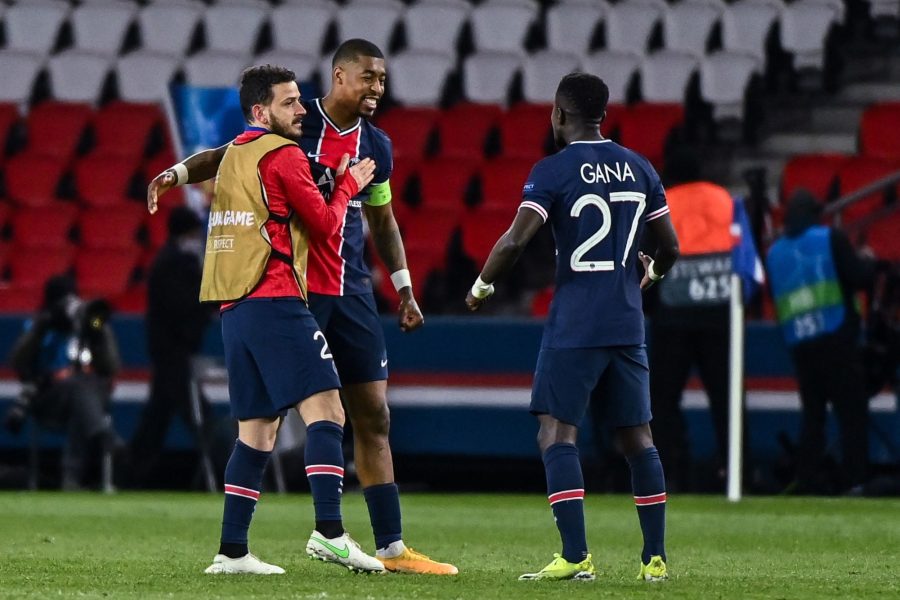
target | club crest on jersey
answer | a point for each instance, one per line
(605, 173)
(326, 183)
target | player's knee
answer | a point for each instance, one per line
(374, 421)
(631, 441)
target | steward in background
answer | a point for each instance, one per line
(814, 273)
(689, 327)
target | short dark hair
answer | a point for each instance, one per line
(583, 94)
(256, 86)
(351, 50)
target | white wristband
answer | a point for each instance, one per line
(651, 273)
(481, 289)
(401, 279)
(181, 173)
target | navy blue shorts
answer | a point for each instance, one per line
(615, 380)
(355, 335)
(276, 356)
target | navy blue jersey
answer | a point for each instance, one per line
(337, 267)
(597, 197)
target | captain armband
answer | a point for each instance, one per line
(379, 194)
(180, 171)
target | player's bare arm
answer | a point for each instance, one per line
(389, 244)
(504, 255)
(194, 169)
(666, 254)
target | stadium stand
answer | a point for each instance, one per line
(469, 90)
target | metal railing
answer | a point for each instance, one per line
(834, 209)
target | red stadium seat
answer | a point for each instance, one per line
(859, 172)
(9, 114)
(882, 236)
(878, 131)
(30, 267)
(409, 129)
(404, 168)
(645, 128)
(104, 180)
(816, 173)
(482, 228)
(464, 128)
(132, 301)
(157, 226)
(31, 180)
(111, 228)
(122, 128)
(20, 299)
(430, 227)
(36, 229)
(444, 183)
(610, 126)
(105, 273)
(501, 182)
(524, 131)
(55, 128)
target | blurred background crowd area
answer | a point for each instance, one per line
(773, 96)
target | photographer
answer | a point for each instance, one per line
(66, 360)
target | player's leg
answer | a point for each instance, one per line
(562, 386)
(357, 340)
(257, 427)
(626, 388)
(329, 542)
(813, 387)
(671, 357)
(298, 371)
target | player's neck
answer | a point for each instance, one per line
(341, 116)
(587, 134)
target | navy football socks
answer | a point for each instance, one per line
(565, 491)
(649, 486)
(243, 480)
(325, 471)
(383, 502)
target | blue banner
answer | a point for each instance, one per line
(206, 117)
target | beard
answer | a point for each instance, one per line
(284, 128)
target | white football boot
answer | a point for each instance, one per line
(248, 564)
(344, 551)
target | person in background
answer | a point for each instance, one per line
(814, 274)
(176, 321)
(689, 324)
(66, 360)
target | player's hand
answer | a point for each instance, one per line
(362, 172)
(645, 280)
(473, 303)
(410, 316)
(161, 184)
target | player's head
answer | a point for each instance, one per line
(270, 98)
(580, 104)
(357, 76)
(802, 212)
(682, 166)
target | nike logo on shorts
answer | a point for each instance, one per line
(383, 362)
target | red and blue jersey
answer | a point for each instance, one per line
(597, 196)
(336, 266)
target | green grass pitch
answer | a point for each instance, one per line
(157, 545)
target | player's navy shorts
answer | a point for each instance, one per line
(276, 356)
(354, 333)
(616, 380)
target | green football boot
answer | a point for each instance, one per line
(655, 570)
(560, 569)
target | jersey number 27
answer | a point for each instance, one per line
(576, 262)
